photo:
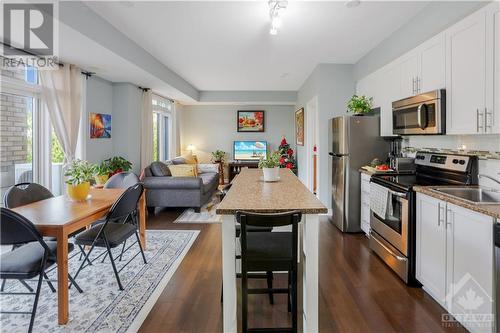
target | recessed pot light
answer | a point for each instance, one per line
(352, 3)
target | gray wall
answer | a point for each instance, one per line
(127, 123)
(437, 16)
(99, 99)
(212, 127)
(333, 85)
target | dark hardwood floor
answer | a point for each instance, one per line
(358, 293)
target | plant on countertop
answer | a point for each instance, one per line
(118, 164)
(360, 104)
(79, 174)
(218, 156)
(287, 160)
(272, 161)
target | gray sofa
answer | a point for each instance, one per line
(163, 190)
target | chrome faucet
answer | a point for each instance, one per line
(490, 178)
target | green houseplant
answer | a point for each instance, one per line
(101, 172)
(271, 167)
(218, 156)
(78, 177)
(118, 164)
(360, 104)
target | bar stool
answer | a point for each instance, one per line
(269, 251)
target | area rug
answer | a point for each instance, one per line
(206, 215)
(102, 307)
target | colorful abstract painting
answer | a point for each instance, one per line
(250, 121)
(100, 126)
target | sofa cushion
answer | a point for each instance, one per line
(190, 158)
(184, 170)
(179, 160)
(160, 169)
(170, 183)
(209, 180)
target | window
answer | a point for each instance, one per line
(30, 151)
(162, 111)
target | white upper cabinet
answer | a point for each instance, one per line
(492, 112)
(466, 75)
(409, 75)
(432, 65)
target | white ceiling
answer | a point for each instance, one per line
(227, 46)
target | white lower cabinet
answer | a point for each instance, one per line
(454, 260)
(365, 203)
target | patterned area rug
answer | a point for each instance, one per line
(206, 215)
(102, 307)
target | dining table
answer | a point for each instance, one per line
(61, 216)
(250, 193)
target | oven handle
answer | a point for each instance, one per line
(387, 249)
(397, 194)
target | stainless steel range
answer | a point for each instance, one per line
(392, 196)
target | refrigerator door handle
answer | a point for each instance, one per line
(337, 154)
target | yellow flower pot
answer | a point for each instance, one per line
(78, 192)
(101, 179)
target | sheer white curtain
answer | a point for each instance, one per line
(175, 135)
(146, 129)
(62, 92)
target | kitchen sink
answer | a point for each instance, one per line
(473, 194)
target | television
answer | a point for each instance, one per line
(249, 150)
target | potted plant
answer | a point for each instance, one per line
(118, 164)
(360, 105)
(79, 174)
(101, 172)
(271, 167)
(218, 156)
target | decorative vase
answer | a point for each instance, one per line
(101, 179)
(271, 174)
(78, 192)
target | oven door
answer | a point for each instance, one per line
(393, 227)
(419, 118)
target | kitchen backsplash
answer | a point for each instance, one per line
(487, 147)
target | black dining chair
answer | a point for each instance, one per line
(119, 224)
(23, 194)
(122, 180)
(268, 275)
(27, 261)
(269, 251)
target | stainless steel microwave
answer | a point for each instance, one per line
(420, 114)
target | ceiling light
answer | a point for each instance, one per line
(352, 3)
(276, 11)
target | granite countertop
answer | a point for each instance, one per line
(492, 210)
(250, 193)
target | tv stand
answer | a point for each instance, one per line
(236, 166)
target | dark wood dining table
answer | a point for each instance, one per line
(60, 216)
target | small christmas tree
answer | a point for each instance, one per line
(287, 159)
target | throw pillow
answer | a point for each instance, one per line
(160, 169)
(179, 160)
(184, 170)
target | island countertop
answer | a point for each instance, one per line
(250, 193)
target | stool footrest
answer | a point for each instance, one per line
(268, 290)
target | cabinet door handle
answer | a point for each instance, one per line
(479, 126)
(418, 85)
(486, 113)
(440, 214)
(449, 218)
(413, 86)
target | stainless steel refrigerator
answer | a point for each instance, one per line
(356, 141)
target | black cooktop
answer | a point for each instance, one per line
(407, 181)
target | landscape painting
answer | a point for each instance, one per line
(100, 126)
(250, 121)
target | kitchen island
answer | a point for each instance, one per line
(251, 194)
